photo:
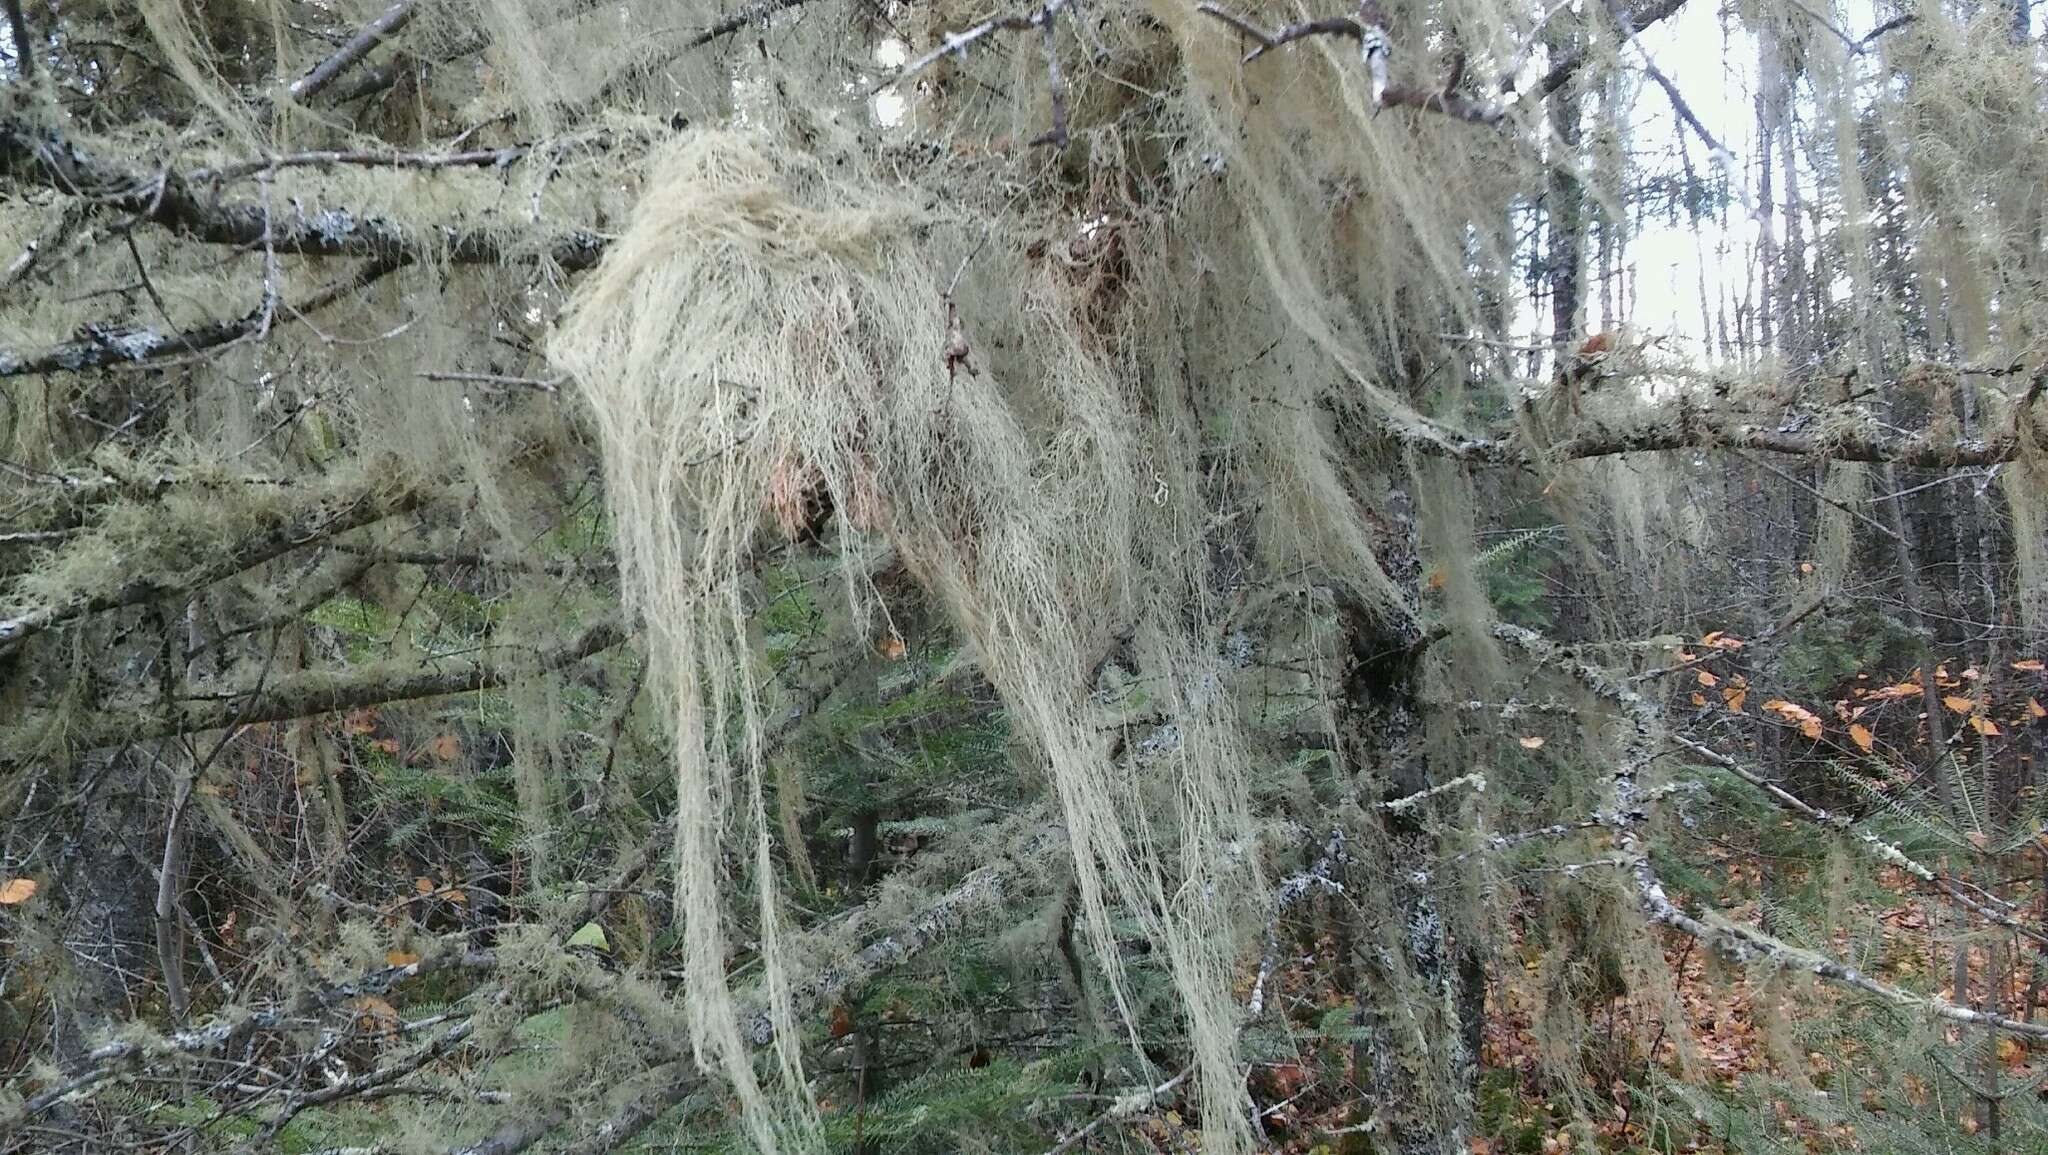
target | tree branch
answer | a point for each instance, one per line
(105, 346)
(1443, 99)
(1733, 940)
(1852, 437)
(326, 692)
(315, 524)
(357, 47)
(675, 1080)
(168, 199)
(1568, 65)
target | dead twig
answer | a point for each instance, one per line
(358, 46)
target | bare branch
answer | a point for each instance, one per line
(1268, 41)
(357, 47)
(1722, 157)
(1568, 65)
(24, 42)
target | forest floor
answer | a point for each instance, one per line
(1773, 1051)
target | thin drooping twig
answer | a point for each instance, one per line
(358, 46)
(1722, 156)
(1442, 98)
(1821, 19)
(1268, 41)
(1887, 851)
(1892, 25)
(537, 384)
(752, 14)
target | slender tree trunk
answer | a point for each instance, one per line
(1421, 994)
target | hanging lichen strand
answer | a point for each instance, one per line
(770, 322)
(1059, 448)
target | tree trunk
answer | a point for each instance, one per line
(1421, 995)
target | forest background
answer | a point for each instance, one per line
(1447, 576)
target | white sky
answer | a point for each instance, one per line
(1715, 67)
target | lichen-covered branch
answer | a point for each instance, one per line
(1733, 940)
(38, 155)
(106, 346)
(1853, 437)
(317, 692)
(319, 523)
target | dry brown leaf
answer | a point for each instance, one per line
(400, 958)
(376, 1013)
(2012, 1052)
(17, 890)
(1984, 726)
(1861, 735)
(1707, 679)
(423, 885)
(1531, 742)
(1959, 704)
(2031, 665)
(445, 748)
(1735, 699)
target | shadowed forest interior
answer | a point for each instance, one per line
(1441, 577)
